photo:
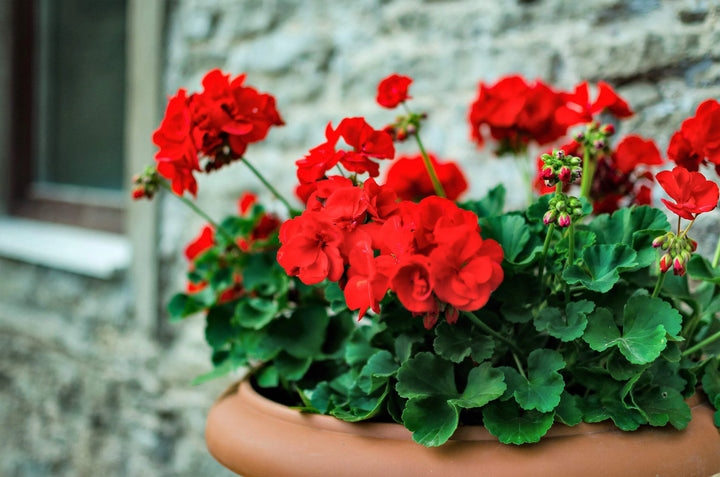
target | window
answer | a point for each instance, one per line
(69, 62)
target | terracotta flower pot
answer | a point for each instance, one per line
(256, 437)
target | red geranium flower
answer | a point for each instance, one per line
(698, 140)
(633, 151)
(413, 285)
(516, 113)
(366, 143)
(410, 180)
(692, 193)
(393, 90)
(578, 108)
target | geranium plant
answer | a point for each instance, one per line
(387, 298)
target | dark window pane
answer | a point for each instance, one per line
(80, 92)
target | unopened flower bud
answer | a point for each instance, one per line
(678, 267)
(660, 241)
(599, 144)
(577, 212)
(665, 263)
(564, 219)
(575, 161)
(547, 173)
(410, 130)
(549, 217)
(565, 174)
(401, 135)
(560, 154)
(560, 205)
(138, 193)
(579, 137)
(608, 129)
(693, 245)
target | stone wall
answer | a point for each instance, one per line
(83, 391)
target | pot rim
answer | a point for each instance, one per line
(274, 410)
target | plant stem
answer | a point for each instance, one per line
(519, 365)
(588, 171)
(716, 258)
(659, 284)
(546, 247)
(274, 192)
(490, 331)
(439, 190)
(571, 255)
(702, 344)
(200, 212)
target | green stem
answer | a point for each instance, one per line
(519, 365)
(200, 212)
(491, 332)
(659, 284)
(274, 192)
(571, 255)
(546, 247)
(689, 330)
(439, 190)
(716, 258)
(701, 344)
(588, 171)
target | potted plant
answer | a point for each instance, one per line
(390, 308)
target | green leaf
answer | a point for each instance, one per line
(455, 343)
(711, 380)
(302, 334)
(336, 297)
(566, 326)
(568, 412)
(621, 369)
(255, 312)
(600, 408)
(263, 275)
(381, 365)
(360, 406)
(267, 377)
(647, 321)
(583, 240)
(661, 405)
(512, 425)
(432, 420)
(700, 268)
(359, 349)
(602, 267)
(404, 345)
(543, 386)
(492, 204)
(222, 279)
(228, 366)
(292, 368)
(484, 384)
(426, 375)
(510, 231)
(320, 397)
(219, 329)
(182, 305)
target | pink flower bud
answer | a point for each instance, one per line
(565, 174)
(678, 266)
(564, 219)
(547, 173)
(451, 315)
(608, 129)
(549, 217)
(659, 241)
(665, 263)
(693, 245)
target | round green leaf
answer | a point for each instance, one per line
(512, 425)
(602, 266)
(431, 420)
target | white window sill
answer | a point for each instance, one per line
(82, 251)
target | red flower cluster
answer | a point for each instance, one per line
(366, 143)
(430, 253)
(578, 109)
(410, 180)
(698, 140)
(620, 177)
(217, 123)
(393, 90)
(692, 193)
(516, 113)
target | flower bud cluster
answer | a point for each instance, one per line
(560, 167)
(678, 251)
(145, 184)
(596, 137)
(562, 210)
(405, 126)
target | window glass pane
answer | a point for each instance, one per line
(80, 92)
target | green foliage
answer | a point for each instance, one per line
(580, 341)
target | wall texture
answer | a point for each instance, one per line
(84, 392)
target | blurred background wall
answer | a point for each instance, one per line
(93, 381)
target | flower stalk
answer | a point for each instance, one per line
(292, 212)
